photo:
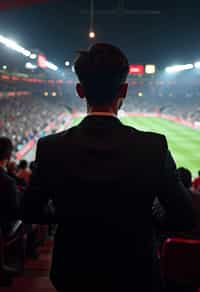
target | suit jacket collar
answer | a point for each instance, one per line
(100, 121)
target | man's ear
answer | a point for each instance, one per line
(80, 90)
(123, 90)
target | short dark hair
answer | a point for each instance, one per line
(101, 70)
(23, 164)
(6, 148)
(186, 176)
(199, 172)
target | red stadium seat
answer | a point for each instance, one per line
(180, 261)
(42, 232)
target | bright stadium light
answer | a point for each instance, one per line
(54, 93)
(51, 66)
(14, 46)
(197, 65)
(33, 56)
(46, 93)
(91, 34)
(28, 65)
(67, 63)
(178, 68)
(25, 52)
(150, 69)
(4, 67)
(140, 93)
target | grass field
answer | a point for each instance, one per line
(184, 142)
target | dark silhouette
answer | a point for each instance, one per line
(97, 177)
(9, 195)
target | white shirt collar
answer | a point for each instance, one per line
(102, 114)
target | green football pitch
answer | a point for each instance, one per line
(183, 142)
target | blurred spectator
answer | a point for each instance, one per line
(163, 229)
(185, 176)
(25, 117)
(23, 171)
(12, 172)
(9, 195)
(196, 183)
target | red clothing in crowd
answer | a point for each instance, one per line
(196, 184)
(25, 174)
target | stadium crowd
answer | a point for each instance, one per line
(148, 99)
(25, 117)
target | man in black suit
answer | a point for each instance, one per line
(97, 176)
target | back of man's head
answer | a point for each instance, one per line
(186, 176)
(199, 172)
(6, 148)
(101, 70)
(23, 164)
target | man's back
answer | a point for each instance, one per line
(98, 176)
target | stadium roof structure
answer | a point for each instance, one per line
(121, 9)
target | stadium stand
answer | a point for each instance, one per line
(24, 117)
(165, 97)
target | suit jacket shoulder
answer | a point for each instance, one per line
(51, 142)
(147, 135)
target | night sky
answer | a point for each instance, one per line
(58, 29)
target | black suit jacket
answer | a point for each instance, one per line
(103, 177)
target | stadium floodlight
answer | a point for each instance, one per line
(51, 66)
(54, 93)
(4, 67)
(30, 66)
(150, 69)
(46, 93)
(67, 63)
(91, 34)
(197, 65)
(178, 68)
(14, 46)
(33, 56)
(140, 93)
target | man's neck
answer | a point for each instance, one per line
(101, 111)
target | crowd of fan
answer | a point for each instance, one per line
(183, 107)
(16, 177)
(162, 228)
(24, 117)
